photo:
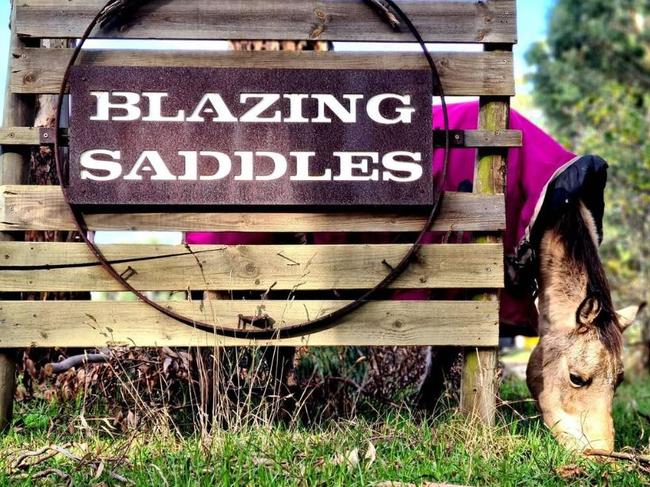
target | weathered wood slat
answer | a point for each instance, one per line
(492, 138)
(259, 267)
(19, 136)
(43, 208)
(470, 73)
(96, 323)
(489, 21)
(473, 138)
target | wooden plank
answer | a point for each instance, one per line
(96, 323)
(43, 208)
(487, 21)
(469, 73)
(19, 136)
(493, 138)
(39, 267)
(473, 138)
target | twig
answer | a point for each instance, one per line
(51, 451)
(93, 463)
(632, 457)
(19, 464)
(53, 471)
(75, 361)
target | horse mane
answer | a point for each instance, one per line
(582, 250)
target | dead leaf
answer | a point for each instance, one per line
(371, 455)
(131, 421)
(100, 469)
(570, 471)
(166, 363)
(265, 462)
(351, 458)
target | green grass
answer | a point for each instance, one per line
(407, 448)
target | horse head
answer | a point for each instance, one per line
(576, 367)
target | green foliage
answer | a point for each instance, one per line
(323, 362)
(36, 421)
(592, 81)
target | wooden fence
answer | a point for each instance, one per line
(477, 267)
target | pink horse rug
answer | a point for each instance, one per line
(541, 176)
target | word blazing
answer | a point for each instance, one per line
(239, 137)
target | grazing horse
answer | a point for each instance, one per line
(576, 366)
(554, 211)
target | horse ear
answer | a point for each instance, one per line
(588, 311)
(628, 315)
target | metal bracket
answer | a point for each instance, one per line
(264, 322)
(456, 138)
(46, 135)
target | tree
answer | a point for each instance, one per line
(592, 81)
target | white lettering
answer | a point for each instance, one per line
(248, 166)
(279, 166)
(211, 103)
(246, 173)
(112, 168)
(345, 115)
(405, 112)
(266, 101)
(191, 165)
(295, 108)
(391, 163)
(104, 106)
(225, 165)
(302, 168)
(155, 109)
(348, 165)
(155, 164)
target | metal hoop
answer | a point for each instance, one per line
(289, 331)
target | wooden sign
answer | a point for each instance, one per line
(234, 137)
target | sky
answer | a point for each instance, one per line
(532, 19)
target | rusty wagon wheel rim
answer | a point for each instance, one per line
(324, 322)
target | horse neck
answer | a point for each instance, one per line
(563, 271)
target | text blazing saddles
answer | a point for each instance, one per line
(209, 136)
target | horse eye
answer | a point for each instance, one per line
(578, 381)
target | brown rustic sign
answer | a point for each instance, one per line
(240, 137)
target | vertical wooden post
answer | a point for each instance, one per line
(479, 379)
(18, 111)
